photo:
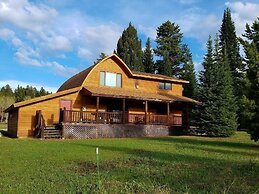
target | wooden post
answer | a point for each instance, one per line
(123, 110)
(168, 113)
(97, 108)
(146, 110)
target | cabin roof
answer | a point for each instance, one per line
(157, 77)
(42, 98)
(79, 79)
(131, 94)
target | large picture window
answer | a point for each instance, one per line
(110, 79)
(165, 86)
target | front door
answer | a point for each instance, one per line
(66, 104)
(66, 115)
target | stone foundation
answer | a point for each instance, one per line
(87, 130)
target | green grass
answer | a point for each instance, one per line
(3, 125)
(179, 164)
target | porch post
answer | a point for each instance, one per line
(168, 112)
(123, 110)
(146, 110)
(97, 108)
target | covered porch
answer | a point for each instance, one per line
(115, 108)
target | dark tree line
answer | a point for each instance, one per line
(8, 96)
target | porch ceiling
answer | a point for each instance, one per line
(132, 94)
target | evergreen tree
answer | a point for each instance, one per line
(168, 49)
(230, 49)
(188, 73)
(101, 57)
(217, 114)
(251, 102)
(205, 95)
(129, 49)
(148, 61)
(6, 99)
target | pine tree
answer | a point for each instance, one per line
(129, 49)
(101, 57)
(148, 61)
(188, 73)
(217, 114)
(224, 95)
(6, 99)
(230, 49)
(168, 49)
(205, 95)
(251, 102)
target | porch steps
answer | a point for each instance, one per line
(51, 132)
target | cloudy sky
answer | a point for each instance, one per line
(44, 42)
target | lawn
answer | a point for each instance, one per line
(179, 164)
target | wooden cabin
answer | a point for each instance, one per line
(106, 93)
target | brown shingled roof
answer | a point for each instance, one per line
(42, 98)
(157, 76)
(75, 81)
(132, 94)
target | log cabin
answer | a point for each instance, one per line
(106, 100)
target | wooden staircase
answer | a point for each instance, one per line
(46, 131)
(50, 132)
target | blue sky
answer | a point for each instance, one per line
(44, 42)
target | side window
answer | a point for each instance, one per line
(165, 86)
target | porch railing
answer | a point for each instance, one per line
(71, 116)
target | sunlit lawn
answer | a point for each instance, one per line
(179, 164)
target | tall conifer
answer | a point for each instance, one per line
(217, 114)
(188, 73)
(129, 48)
(148, 61)
(168, 49)
(230, 50)
(251, 98)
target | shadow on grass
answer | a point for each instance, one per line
(201, 173)
(220, 151)
(206, 142)
(163, 156)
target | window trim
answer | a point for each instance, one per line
(164, 86)
(102, 81)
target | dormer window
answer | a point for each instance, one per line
(110, 79)
(165, 86)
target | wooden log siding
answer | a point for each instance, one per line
(71, 116)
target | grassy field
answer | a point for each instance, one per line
(179, 164)
(3, 125)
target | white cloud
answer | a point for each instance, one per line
(198, 24)
(6, 34)
(26, 15)
(84, 53)
(15, 83)
(56, 43)
(97, 39)
(243, 13)
(148, 31)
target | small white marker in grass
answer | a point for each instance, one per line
(98, 170)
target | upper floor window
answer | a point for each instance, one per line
(165, 86)
(110, 79)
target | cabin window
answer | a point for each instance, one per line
(165, 86)
(110, 79)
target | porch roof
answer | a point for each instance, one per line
(137, 95)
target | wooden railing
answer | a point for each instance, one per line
(71, 116)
